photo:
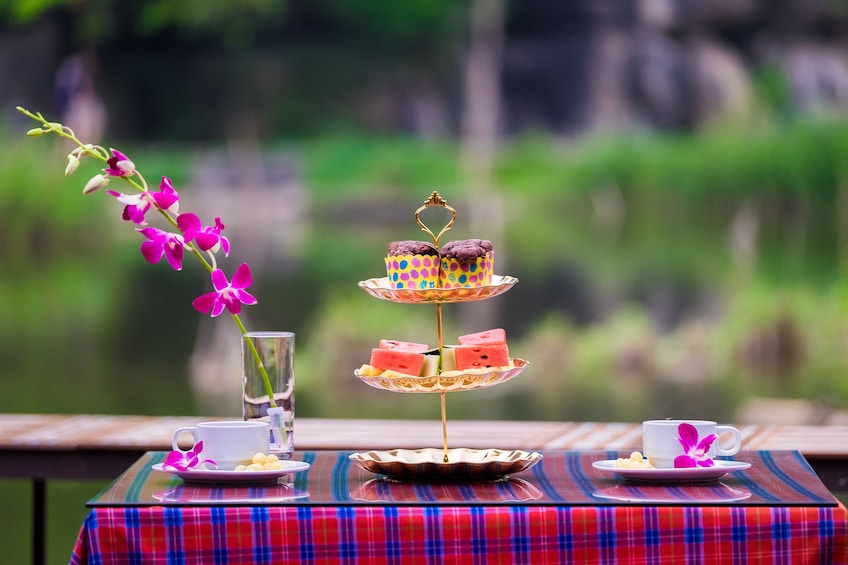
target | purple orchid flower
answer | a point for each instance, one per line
(160, 243)
(231, 296)
(167, 198)
(206, 237)
(695, 453)
(119, 165)
(135, 206)
(185, 460)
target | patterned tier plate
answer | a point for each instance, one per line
(428, 464)
(381, 288)
(452, 381)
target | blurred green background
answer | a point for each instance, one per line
(670, 263)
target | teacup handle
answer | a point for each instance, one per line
(737, 440)
(174, 439)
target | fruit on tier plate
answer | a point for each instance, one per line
(481, 350)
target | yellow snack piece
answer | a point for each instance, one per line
(262, 462)
(635, 461)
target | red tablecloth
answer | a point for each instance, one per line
(469, 534)
(133, 521)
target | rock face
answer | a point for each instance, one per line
(595, 65)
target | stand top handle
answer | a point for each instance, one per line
(435, 200)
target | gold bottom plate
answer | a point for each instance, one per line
(462, 464)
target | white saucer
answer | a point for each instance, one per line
(217, 476)
(682, 475)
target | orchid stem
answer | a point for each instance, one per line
(265, 380)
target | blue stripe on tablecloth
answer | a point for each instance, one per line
(434, 547)
(693, 535)
(339, 477)
(300, 479)
(218, 520)
(506, 489)
(306, 547)
(392, 530)
(520, 536)
(574, 465)
(606, 533)
(826, 530)
(756, 489)
(467, 492)
(768, 459)
(91, 525)
(653, 534)
(478, 533)
(347, 533)
(173, 520)
(259, 532)
(781, 531)
(135, 553)
(738, 534)
(424, 492)
(543, 482)
(565, 537)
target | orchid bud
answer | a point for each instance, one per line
(73, 163)
(96, 183)
(35, 132)
(79, 150)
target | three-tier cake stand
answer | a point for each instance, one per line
(443, 464)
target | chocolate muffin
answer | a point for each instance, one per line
(466, 263)
(412, 264)
(411, 247)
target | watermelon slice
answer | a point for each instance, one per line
(496, 336)
(405, 362)
(481, 356)
(403, 345)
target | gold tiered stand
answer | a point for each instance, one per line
(458, 463)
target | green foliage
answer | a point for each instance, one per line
(238, 24)
(412, 20)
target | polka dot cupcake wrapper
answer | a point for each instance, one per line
(413, 271)
(454, 274)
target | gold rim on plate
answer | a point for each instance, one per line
(462, 463)
(452, 381)
(382, 288)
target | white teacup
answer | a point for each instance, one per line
(660, 443)
(228, 442)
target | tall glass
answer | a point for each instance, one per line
(275, 351)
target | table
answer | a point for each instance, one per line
(42, 447)
(561, 510)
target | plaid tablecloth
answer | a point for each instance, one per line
(462, 535)
(341, 522)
